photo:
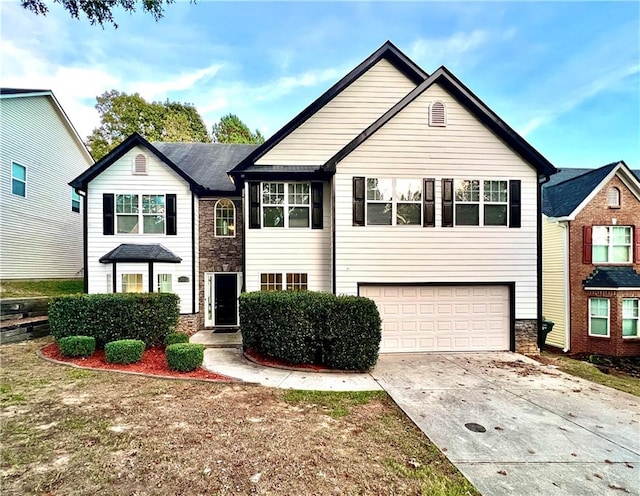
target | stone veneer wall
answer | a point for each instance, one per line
(527, 337)
(188, 323)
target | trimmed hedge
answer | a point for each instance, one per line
(176, 337)
(184, 357)
(77, 346)
(124, 351)
(341, 332)
(148, 317)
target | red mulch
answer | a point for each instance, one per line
(153, 363)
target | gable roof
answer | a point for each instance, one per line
(469, 100)
(387, 51)
(612, 277)
(564, 195)
(6, 93)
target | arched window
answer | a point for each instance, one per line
(140, 164)
(225, 218)
(437, 114)
(613, 197)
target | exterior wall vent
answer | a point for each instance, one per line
(437, 115)
(140, 164)
(613, 197)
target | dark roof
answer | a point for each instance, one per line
(140, 253)
(20, 91)
(469, 100)
(561, 197)
(612, 277)
(388, 51)
(207, 163)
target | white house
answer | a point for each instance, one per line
(40, 214)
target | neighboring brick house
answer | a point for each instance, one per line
(591, 260)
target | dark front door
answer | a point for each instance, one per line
(226, 300)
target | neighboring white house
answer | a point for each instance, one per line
(40, 214)
(405, 188)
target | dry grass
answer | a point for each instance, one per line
(75, 432)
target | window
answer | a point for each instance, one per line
(613, 197)
(394, 202)
(286, 205)
(140, 164)
(481, 203)
(130, 214)
(225, 218)
(630, 318)
(296, 282)
(164, 283)
(599, 317)
(132, 283)
(611, 244)
(270, 282)
(437, 115)
(75, 201)
(18, 179)
(109, 284)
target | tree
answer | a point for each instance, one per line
(98, 11)
(121, 115)
(231, 129)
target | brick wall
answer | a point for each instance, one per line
(188, 323)
(527, 336)
(597, 212)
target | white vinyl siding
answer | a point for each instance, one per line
(118, 179)
(40, 237)
(554, 280)
(342, 119)
(283, 251)
(464, 254)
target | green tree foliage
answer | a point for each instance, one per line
(98, 11)
(121, 115)
(231, 129)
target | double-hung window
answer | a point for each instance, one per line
(296, 282)
(164, 283)
(286, 205)
(18, 179)
(612, 244)
(132, 211)
(75, 201)
(132, 283)
(630, 317)
(599, 317)
(394, 201)
(270, 282)
(481, 202)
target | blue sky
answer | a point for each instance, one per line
(566, 76)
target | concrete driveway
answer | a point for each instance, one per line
(515, 427)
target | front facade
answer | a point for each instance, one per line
(591, 275)
(40, 214)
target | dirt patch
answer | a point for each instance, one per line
(523, 369)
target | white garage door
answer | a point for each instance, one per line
(442, 318)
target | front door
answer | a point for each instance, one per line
(225, 305)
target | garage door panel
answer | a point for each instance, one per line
(442, 318)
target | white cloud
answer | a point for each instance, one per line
(154, 90)
(438, 51)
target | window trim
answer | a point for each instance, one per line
(481, 202)
(75, 198)
(608, 318)
(394, 201)
(23, 181)
(140, 214)
(611, 246)
(285, 205)
(636, 318)
(230, 227)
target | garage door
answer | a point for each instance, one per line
(442, 318)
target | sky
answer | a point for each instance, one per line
(565, 75)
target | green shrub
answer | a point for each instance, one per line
(148, 317)
(184, 357)
(309, 327)
(124, 351)
(77, 346)
(176, 337)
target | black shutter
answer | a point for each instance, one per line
(172, 216)
(254, 205)
(358, 201)
(515, 203)
(107, 214)
(447, 203)
(429, 203)
(316, 205)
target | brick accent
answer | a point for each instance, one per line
(188, 323)
(597, 212)
(217, 254)
(527, 336)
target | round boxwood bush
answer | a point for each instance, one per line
(124, 351)
(77, 346)
(176, 337)
(184, 357)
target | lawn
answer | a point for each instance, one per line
(74, 432)
(10, 288)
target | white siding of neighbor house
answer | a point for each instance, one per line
(465, 149)
(40, 237)
(118, 179)
(282, 250)
(341, 119)
(554, 280)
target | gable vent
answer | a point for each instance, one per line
(140, 164)
(613, 197)
(437, 115)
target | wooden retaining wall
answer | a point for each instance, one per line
(23, 318)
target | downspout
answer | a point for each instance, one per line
(539, 247)
(244, 210)
(567, 287)
(333, 235)
(85, 239)
(193, 254)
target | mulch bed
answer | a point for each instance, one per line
(153, 363)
